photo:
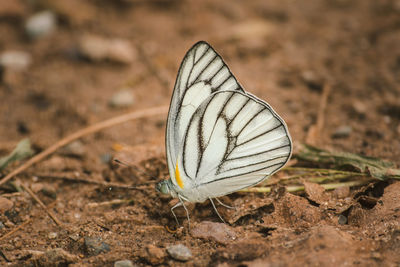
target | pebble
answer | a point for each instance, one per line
(15, 60)
(75, 149)
(97, 48)
(40, 24)
(52, 235)
(122, 99)
(45, 189)
(123, 263)
(342, 132)
(2, 225)
(5, 205)
(95, 246)
(220, 232)
(360, 107)
(252, 29)
(312, 80)
(74, 236)
(342, 219)
(155, 255)
(179, 252)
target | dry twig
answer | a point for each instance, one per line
(81, 180)
(15, 230)
(314, 133)
(41, 204)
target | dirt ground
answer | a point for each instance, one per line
(282, 51)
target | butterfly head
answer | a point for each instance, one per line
(165, 187)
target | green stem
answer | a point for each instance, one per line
(296, 188)
(317, 170)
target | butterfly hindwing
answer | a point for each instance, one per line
(234, 140)
(202, 73)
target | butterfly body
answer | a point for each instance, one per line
(219, 138)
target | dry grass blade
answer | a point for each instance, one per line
(373, 167)
(364, 170)
(314, 135)
(15, 230)
(86, 181)
(57, 221)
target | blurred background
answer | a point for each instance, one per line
(65, 65)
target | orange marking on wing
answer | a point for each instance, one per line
(178, 176)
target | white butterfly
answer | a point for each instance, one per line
(219, 138)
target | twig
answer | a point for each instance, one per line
(88, 130)
(15, 230)
(323, 171)
(80, 180)
(314, 133)
(108, 203)
(41, 204)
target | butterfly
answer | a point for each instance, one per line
(219, 138)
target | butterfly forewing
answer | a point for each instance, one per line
(202, 73)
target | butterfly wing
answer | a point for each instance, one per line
(202, 73)
(234, 140)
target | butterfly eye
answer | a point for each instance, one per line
(163, 187)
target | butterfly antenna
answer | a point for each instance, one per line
(139, 170)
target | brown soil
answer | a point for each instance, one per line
(282, 51)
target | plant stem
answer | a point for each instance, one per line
(296, 188)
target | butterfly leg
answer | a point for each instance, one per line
(173, 213)
(226, 206)
(180, 203)
(212, 202)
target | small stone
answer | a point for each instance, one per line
(255, 29)
(15, 60)
(220, 232)
(2, 225)
(312, 80)
(5, 205)
(342, 132)
(179, 252)
(75, 236)
(123, 263)
(95, 246)
(96, 48)
(9, 224)
(52, 235)
(121, 51)
(45, 189)
(342, 219)
(40, 24)
(360, 107)
(49, 191)
(376, 255)
(122, 99)
(74, 149)
(155, 255)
